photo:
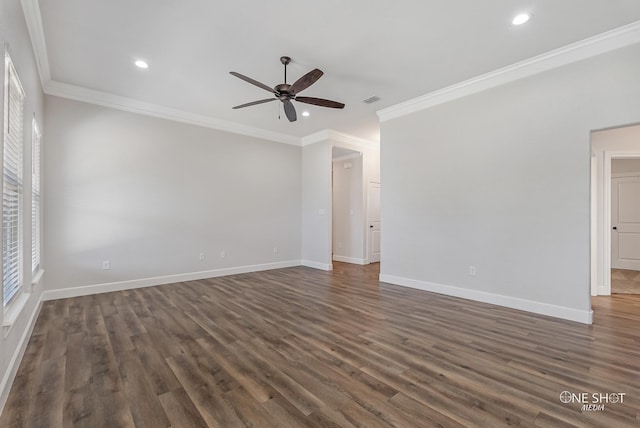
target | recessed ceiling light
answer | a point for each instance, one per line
(521, 19)
(141, 64)
(306, 113)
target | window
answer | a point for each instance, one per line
(12, 183)
(35, 197)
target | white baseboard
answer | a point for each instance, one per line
(316, 265)
(86, 290)
(585, 317)
(351, 260)
(16, 358)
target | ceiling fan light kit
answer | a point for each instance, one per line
(287, 93)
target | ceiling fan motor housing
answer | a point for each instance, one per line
(282, 91)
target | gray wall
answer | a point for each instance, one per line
(150, 195)
(316, 205)
(13, 31)
(501, 180)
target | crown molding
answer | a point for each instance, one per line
(587, 48)
(105, 99)
(340, 137)
(91, 96)
(315, 138)
(31, 10)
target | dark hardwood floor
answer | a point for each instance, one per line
(300, 347)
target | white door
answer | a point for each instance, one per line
(625, 223)
(373, 213)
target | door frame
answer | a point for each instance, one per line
(368, 232)
(609, 155)
(357, 152)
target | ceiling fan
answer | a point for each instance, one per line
(287, 93)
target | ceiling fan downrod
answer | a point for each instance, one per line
(285, 60)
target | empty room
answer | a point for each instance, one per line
(320, 214)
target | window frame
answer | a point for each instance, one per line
(36, 198)
(13, 157)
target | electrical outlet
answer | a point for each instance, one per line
(223, 254)
(472, 271)
(106, 265)
(201, 256)
(275, 250)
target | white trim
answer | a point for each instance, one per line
(605, 289)
(315, 138)
(563, 312)
(347, 157)
(31, 10)
(340, 137)
(16, 358)
(79, 93)
(37, 277)
(316, 265)
(105, 99)
(13, 311)
(367, 228)
(64, 293)
(590, 47)
(593, 225)
(351, 260)
(625, 174)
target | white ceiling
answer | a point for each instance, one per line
(396, 50)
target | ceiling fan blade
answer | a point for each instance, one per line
(290, 111)
(253, 82)
(255, 102)
(320, 102)
(305, 81)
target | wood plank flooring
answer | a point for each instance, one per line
(304, 348)
(625, 281)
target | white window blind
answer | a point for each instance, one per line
(12, 183)
(35, 196)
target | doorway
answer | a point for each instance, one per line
(625, 225)
(348, 210)
(373, 210)
(615, 210)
